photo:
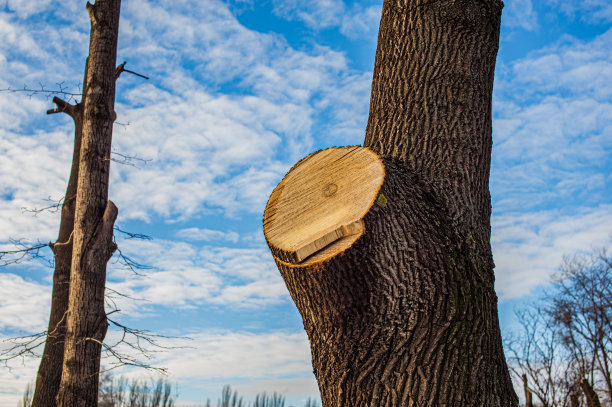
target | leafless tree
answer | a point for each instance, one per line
(537, 357)
(26, 399)
(119, 392)
(68, 373)
(563, 350)
(580, 307)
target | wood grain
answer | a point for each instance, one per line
(321, 200)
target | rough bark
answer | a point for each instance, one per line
(94, 216)
(431, 99)
(407, 316)
(50, 369)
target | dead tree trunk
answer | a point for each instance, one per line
(50, 368)
(590, 394)
(391, 268)
(95, 215)
(528, 392)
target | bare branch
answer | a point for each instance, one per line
(142, 341)
(24, 252)
(130, 235)
(131, 264)
(121, 68)
(62, 106)
(128, 159)
(31, 92)
(145, 343)
(55, 207)
(22, 347)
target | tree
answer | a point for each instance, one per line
(92, 237)
(580, 306)
(537, 356)
(565, 344)
(49, 371)
(385, 249)
(85, 243)
(139, 393)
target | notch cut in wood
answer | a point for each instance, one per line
(316, 211)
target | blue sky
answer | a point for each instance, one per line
(239, 91)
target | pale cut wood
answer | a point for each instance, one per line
(321, 201)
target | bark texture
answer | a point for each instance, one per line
(50, 369)
(407, 316)
(94, 216)
(431, 99)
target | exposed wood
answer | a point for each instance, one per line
(406, 314)
(402, 311)
(322, 200)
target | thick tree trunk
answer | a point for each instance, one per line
(50, 369)
(431, 100)
(403, 316)
(406, 315)
(94, 217)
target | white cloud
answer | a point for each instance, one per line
(43, 55)
(24, 305)
(355, 22)
(187, 276)
(592, 11)
(361, 22)
(210, 152)
(316, 14)
(207, 152)
(520, 13)
(554, 150)
(25, 8)
(528, 248)
(240, 355)
(570, 65)
(13, 380)
(552, 118)
(198, 234)
(33, 168)
(276, 361)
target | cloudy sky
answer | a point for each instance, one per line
(239, 91)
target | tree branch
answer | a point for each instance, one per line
(62, 106)
(121, 68)
(8, 257)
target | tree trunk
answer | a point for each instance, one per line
(528, 392)
(590, 394)
(574, 396)
(94, 216)
(50, 369)
(404, 312)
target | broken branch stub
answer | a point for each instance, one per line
(317, 210)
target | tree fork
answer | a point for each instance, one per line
(94, 215)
